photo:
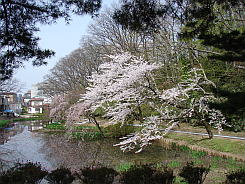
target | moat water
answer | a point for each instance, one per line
(22, 143)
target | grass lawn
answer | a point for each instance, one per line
(232, 146)
(218, 144)
(5, 122)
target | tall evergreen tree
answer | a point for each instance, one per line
(18, 25)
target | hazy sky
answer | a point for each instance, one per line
(62, 39)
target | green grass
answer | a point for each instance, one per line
(174, 164)
(217, 159)
(218, 144)
(55, 126)
(3, 123)
(26, 119)
(232, 164)
(215, 162)
(183, 148)
(197, 154)
(124, 167)
(76, 135)
(179, 180)
(198, 162)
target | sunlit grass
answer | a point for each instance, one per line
(217, 144)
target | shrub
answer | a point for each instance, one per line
(236, 177)
(194, 175)
(98, 175)
(23, 173)
(146, 174)
(60, 176)
(237, 125)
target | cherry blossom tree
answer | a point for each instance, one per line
(78, 111)
(121, 86)
(60, 105)
(57, 107)
(187, 100)
(126, 83)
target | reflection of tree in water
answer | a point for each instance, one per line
(5, 135)
(11, 131)
(17, 128)
(77, 154)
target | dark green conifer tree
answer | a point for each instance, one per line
(18, 25)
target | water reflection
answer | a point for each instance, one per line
(19, 144)
(22, 143)
(12, 130)
(78, 154)
(35, 126)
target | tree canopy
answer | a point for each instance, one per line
(218, 24)
(18, 25)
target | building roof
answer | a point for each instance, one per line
(36, 99)
(8, 93)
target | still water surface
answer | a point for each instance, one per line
(21, 143)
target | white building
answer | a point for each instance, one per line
(35, 100)
(35, 105)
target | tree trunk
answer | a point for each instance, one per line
(98, 126)
(208, 128)
(140, 116)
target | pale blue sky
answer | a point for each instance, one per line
(62, 39)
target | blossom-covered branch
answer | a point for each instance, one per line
(119, 86)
